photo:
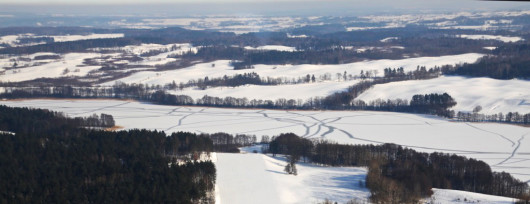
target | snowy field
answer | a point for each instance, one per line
(506, 39)
(291, 91)
(73, 62)
(493, 95)
(442, 196)
(66, 38)
(258, 178)
(272, 47)
(504, 147)
(223, 67)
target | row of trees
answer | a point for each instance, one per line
(437, 104)
(223, 142)
(51, 159)
(510, 117)
(26, 120)
(254, 79)
(401, 175)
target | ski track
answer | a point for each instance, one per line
(172, 111)
(502, 136)
(184, 117)
(98, 109)
(514, 150)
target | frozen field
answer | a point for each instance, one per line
(258, 178)
(454, 196)
(73, 62)
(272, 47)
(504, 147)
(493, 95)
(291, 91)
(506, 39)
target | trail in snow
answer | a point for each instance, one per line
(99, 109)
(502, 136)
(172, 111)
(182, 119)
(514, 150)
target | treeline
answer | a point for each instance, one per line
(508, 62)
(223, 142)
(27, 120)
(402, 175)
(331, 56)
(510, 117)
(70, 46)
(435, 104)
(52, 161)
(251, 78)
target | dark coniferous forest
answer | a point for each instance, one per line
(48, 158)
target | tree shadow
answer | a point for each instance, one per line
(277, 172)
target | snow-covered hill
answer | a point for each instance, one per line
(493, 95)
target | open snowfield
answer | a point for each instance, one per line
(506, 39)
(223, 67)
(66, 38)
(453, 196)
(504, 147)
(53, 69)
(272, 47)
(493, 95)
(259, 178)
(291, 91)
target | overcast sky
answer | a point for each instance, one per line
(259, 7)
(135, 1)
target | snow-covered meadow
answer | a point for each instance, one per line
(66, 38)
(506, 39)
(504, 147)
(493, 95)
(453, 196)
(289, 91)
(272, 47)
(259, 178)
(70, 64)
